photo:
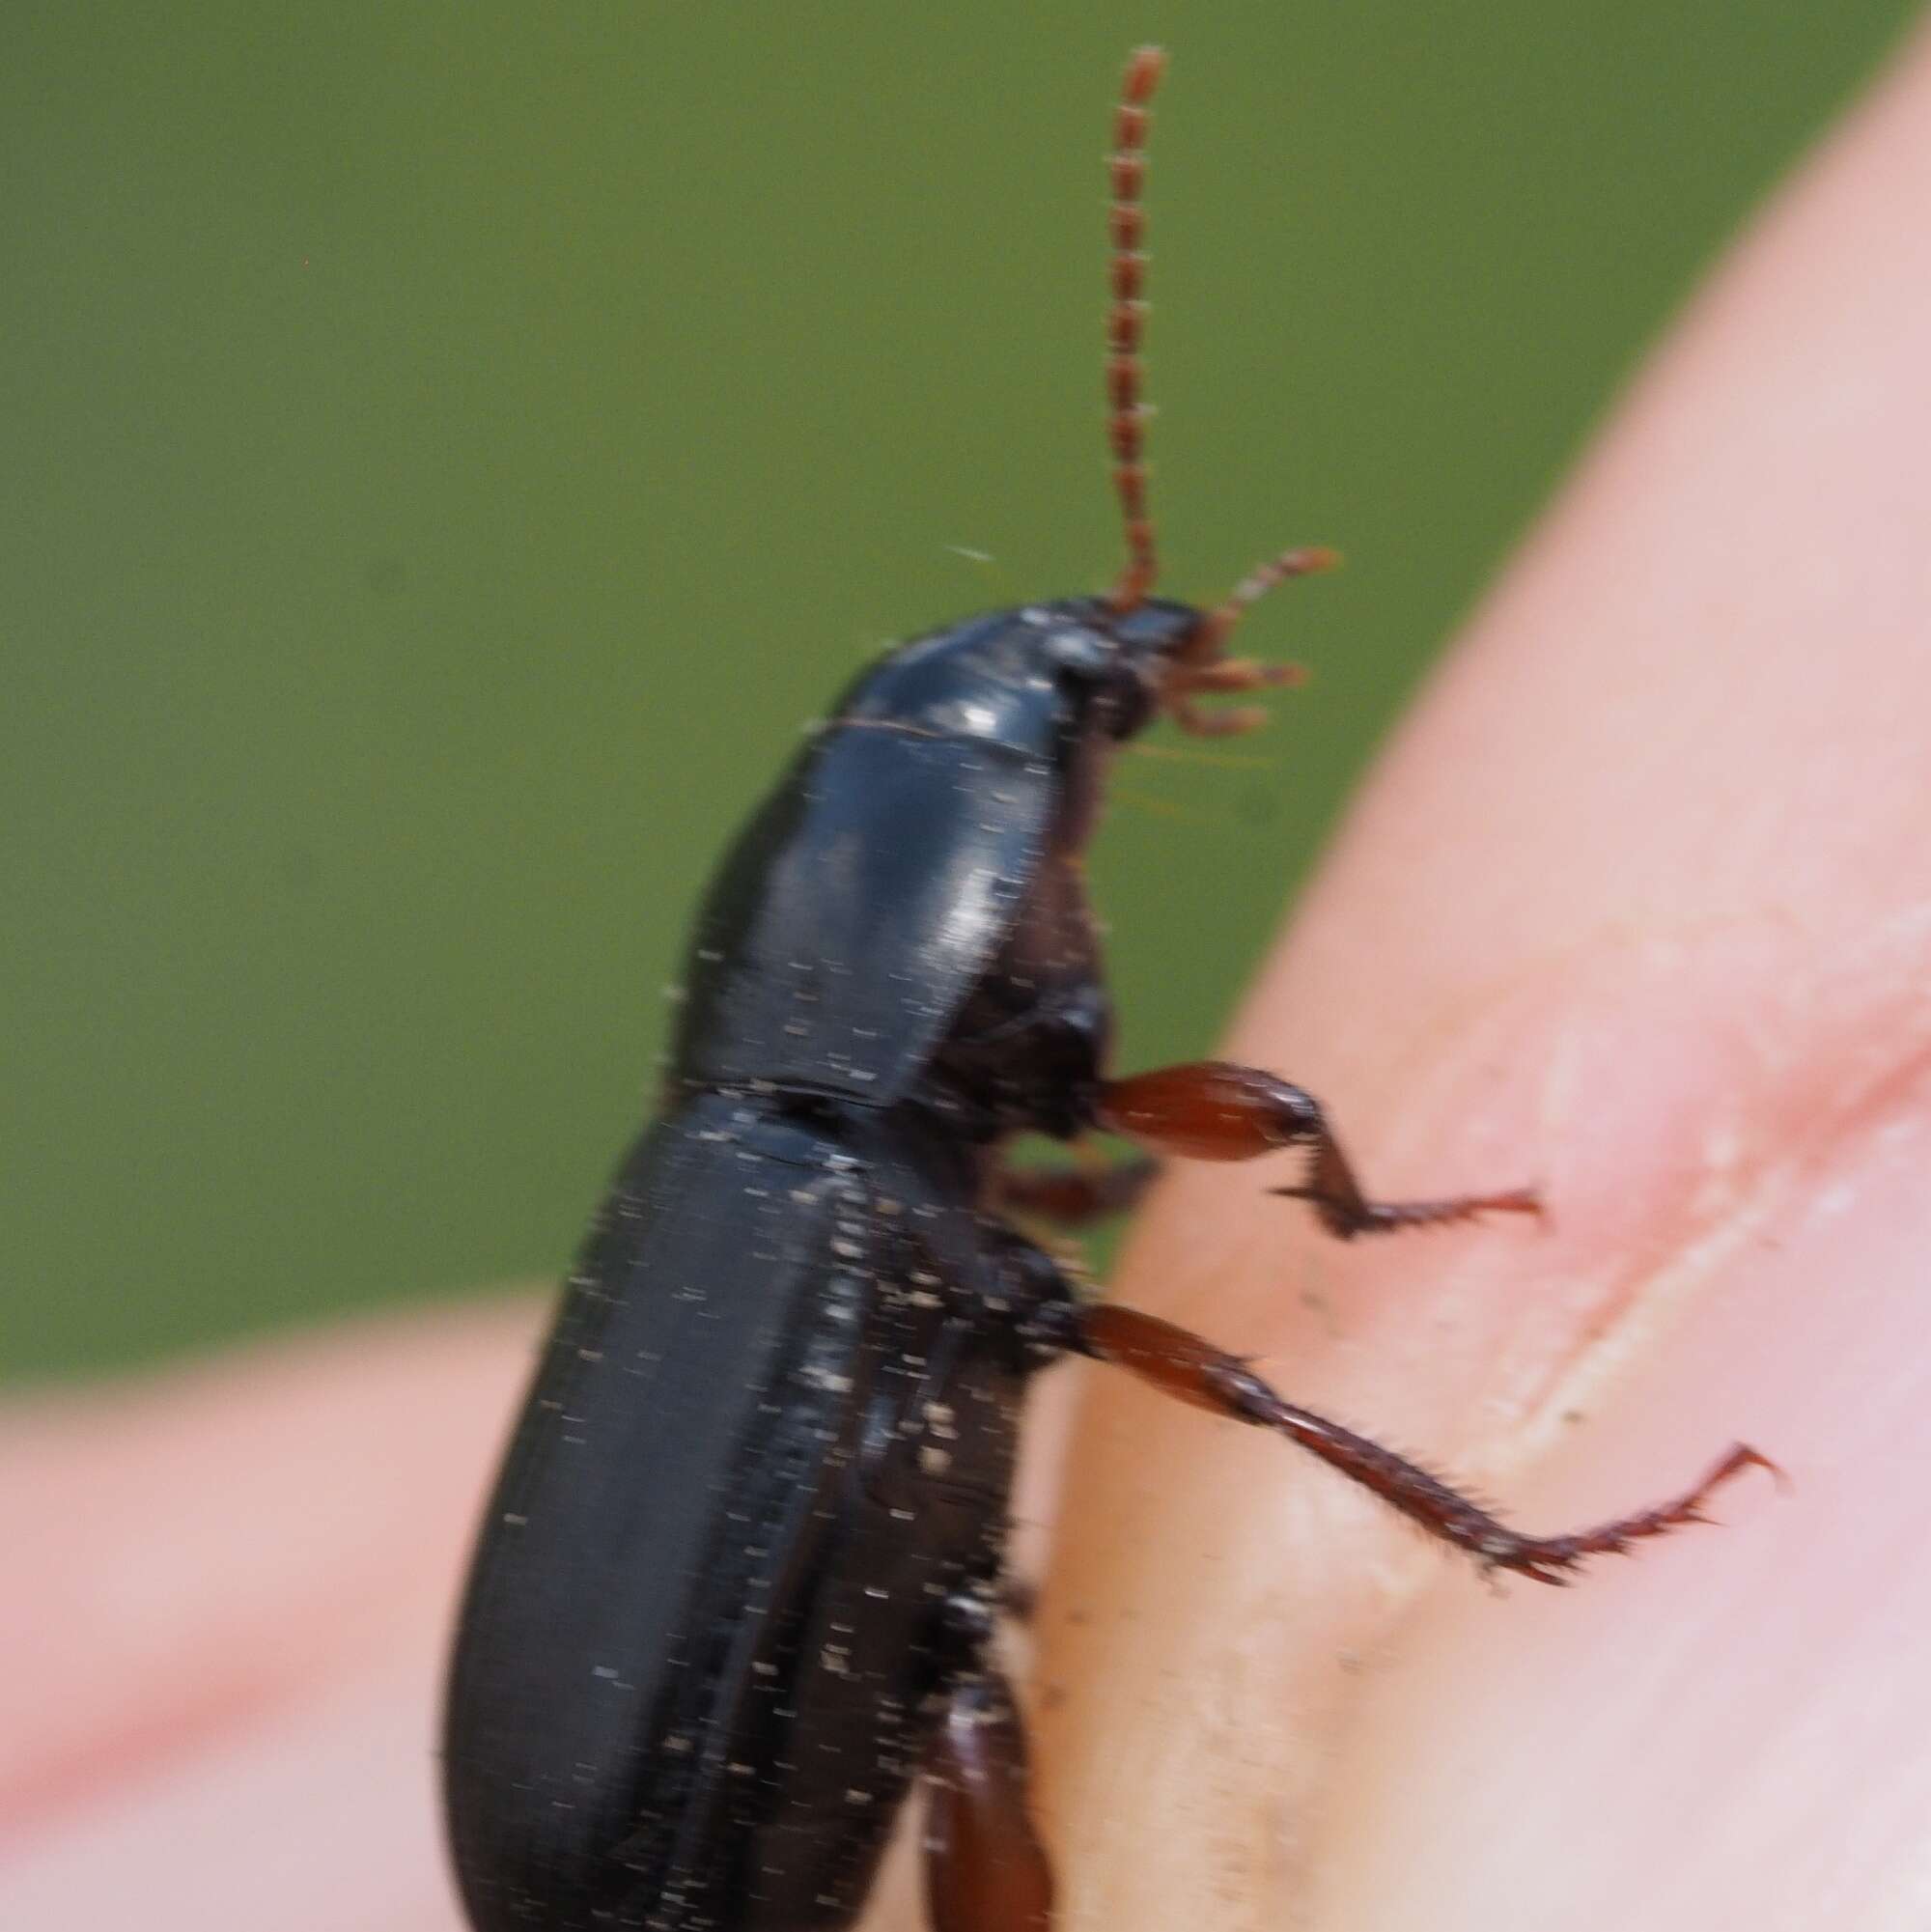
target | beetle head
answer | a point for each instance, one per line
(1152, 656)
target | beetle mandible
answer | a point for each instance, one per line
(738, 1584)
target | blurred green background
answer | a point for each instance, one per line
(451, 449)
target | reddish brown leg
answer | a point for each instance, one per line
(1213, 1110)
(1182, 1365)
(1073, 1196)
(985, 1868)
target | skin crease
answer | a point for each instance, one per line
(1689, 993)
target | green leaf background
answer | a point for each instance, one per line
(451, 450)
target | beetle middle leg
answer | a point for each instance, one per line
(1181, 1364)
(1214, 1111)
(1075, 1196)
(985, 1869)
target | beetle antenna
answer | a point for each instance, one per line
(1300, 562)
(1125, 320)
(1210, 640)
(1202, 665)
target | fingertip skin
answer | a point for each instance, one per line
(1634, 904)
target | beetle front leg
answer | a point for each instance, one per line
(985, 1868)
(1180, 1364)
(1214, 1111)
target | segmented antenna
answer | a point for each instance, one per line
(1300, 562)
(1201, 667)
(1127, 224)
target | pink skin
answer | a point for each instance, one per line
(1638, 905)
(224, 1598)
(1684, 989)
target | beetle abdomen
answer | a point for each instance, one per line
(646, 1508)
(661, 1625)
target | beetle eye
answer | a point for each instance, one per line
(1129, 701)
(1106, 683)
(1103, 679)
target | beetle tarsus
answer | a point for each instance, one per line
(1553, 1560)
(1345, 1217)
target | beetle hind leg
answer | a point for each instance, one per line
(985, 1869)
(1214, 1111)
(1193, 1371)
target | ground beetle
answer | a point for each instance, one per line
(738, 1584)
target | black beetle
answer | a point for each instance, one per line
(738, 1582)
